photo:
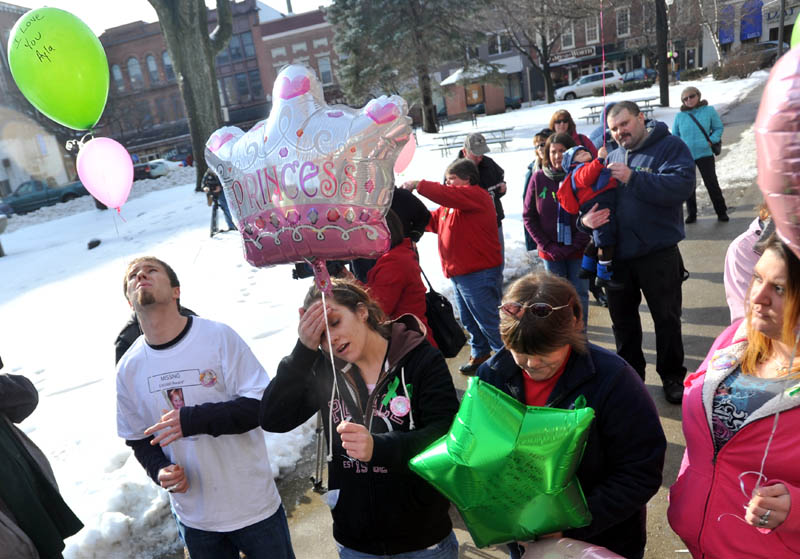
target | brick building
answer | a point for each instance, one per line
(305, 38)
(145, 110)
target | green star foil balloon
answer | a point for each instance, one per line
(510, 468)
(59, 66)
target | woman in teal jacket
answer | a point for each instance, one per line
(687, 130)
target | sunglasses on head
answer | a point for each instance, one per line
(539, 310)
(690, 96)
(561, 121)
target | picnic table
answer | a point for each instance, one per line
(455, 141)
(596, 109)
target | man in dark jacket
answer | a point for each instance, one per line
(656, 174)
(492, 177)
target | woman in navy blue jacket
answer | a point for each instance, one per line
(548, 362)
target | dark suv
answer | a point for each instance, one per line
(141, 171)
(640, 74)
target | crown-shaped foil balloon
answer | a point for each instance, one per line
(312, 181)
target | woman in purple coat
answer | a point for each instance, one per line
(560, 242)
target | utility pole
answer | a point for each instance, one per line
(780, 28)
(661, 49)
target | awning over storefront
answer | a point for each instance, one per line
(726, 19)
(571, 61)
(751, 20)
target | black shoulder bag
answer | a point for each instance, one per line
(447, 332)
(716, 147)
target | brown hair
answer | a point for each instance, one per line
(564, 139)
(561, 114)
(173, 277)
(350, 294)
(533, 335)
(464, 169)
(629, 106)
(759, 346)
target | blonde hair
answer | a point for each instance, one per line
(759, 346)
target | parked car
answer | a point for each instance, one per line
(5, 209)
(170, 165)
(513, 103)
(478, 109)
(141, 171)
(640, 74)
(765, 53)
(158, 168)
(583, 87)
(34, 194)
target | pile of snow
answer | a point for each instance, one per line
(62, 307)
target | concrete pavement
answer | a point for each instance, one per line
(705, 314)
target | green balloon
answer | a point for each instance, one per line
(60, 66)
(795, 40)
(510, 468)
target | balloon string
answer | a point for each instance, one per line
(119, 213)
(603, 69)
(334, 387)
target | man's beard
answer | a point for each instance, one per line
(145, 298)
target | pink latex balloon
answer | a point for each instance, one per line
(406, 155)
(551, 548)
(312, 181)
(106, 170)
(778, 147)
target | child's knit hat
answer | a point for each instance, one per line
(569, 155)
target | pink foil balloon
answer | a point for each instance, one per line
(312, 180)
(566, 548)
(406, 155)
(106, 170)
(778, 147)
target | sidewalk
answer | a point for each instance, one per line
(705, 314)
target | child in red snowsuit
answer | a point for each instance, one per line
(589, 182)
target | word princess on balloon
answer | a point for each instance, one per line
(312, 180)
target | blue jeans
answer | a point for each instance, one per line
(569, 269)
(477, 297)
(445, 549)
(223, 203)
(268, 539)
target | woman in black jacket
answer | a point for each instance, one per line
(387, 395)
(548, 362)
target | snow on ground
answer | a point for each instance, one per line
(62, 307)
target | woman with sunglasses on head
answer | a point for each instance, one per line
(698, 124)
(561, 123)
(539, 142)
(547, 361)
(561, 243)
(391, 395)
(738, 491)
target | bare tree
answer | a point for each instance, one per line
(385, 45)
(192, 48)
(535, 27)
